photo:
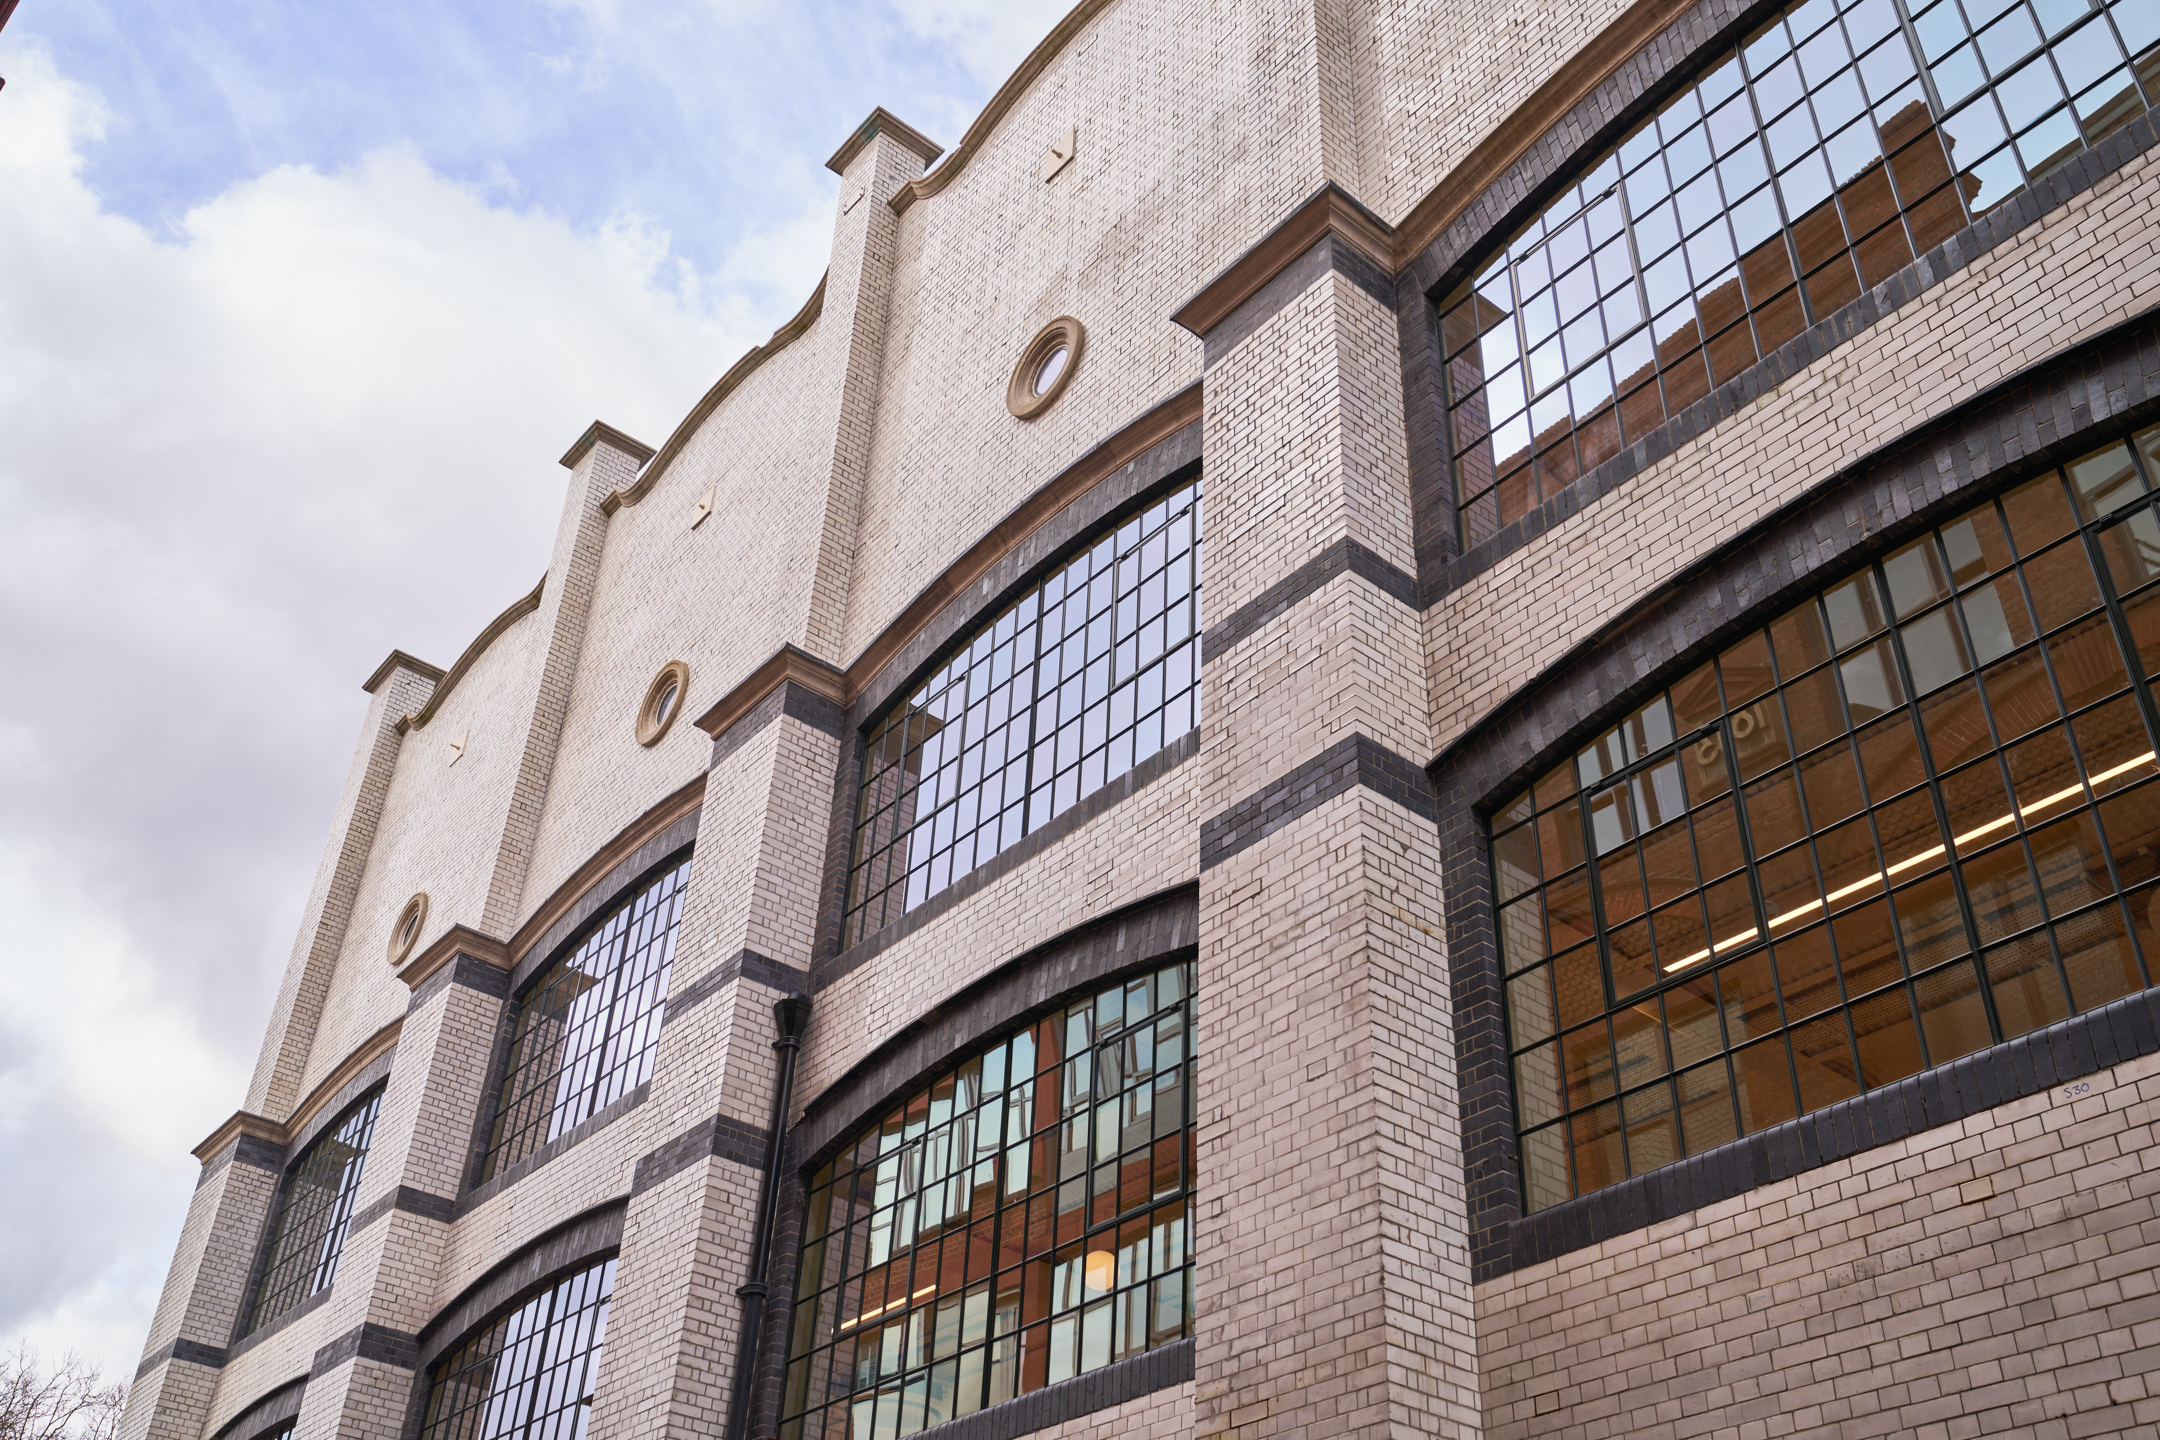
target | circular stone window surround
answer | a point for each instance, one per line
(663, 702)
(1040, 367)
(405, 933)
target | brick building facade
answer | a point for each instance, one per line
(1618, 900)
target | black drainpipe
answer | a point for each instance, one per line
(791, 1017)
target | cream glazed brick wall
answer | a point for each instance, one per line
(173, 1398)
(388, 1271)
(675, 1322)
(440, 825)
(1887, 1293)
(590, 1173)
(783, 454)
(1145, 844)
(2081, 269)
(859, 288)
(1434, 79)
(753, 885)
(360, 1400)
(1345, 660)
(1332, 1265)
(287, 1043)
(1303, 434)
(1197, 133)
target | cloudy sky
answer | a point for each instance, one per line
(298, 304)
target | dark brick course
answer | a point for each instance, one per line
(787, 698)
(1349, 763)
(722, 1135)
(744, 965)
(1287, 593)
(367, 1341)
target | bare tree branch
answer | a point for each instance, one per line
(70, 1401)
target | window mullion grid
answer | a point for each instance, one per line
(1920, 63)
(1941, 806)
(1809, 830)
(2047, 669)
(2001, 759)
(1508, 1047)
(1749, 858)
(1030, 736)
(1594, 883)
(2126, 642)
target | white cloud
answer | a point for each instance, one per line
(989, 37)
(245, 457)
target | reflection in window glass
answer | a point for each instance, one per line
(314, 1214)
(1023, 1220)
(529, 1375)
(588, 1028)
(1810, 162)
(1083, 678)
(1917, 814)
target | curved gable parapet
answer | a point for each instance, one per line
(1008, 95)
(726, 385)
(518, 610)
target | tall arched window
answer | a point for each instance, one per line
(1024, 1219)
(1081, 679)
(314, 1213)
(1812, 160)
(589, 1026)
(529, 1374)
(1916, 814)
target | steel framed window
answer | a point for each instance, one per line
(529, 1375)
(589, 1026)
(1024, 1219)
(314, 1213)
(1915, 815)
(1078, 681)
(1810, 161)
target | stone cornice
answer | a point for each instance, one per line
(241, 1123)
(281, 1135)
(1331, 210)
(599, 433)
(883, 122)
(787, 663)
(740, 371)
(457, 940)
(518, 610)
(366, 1055)
(924, 186)
(843, 687)
(655, 820)
(398, 660)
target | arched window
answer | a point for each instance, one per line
(1024, 1219)
(529, 1374)
(314, 1213)
(1084, 677)
(1810, 161)
(1913, 816)
(589, 1025)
